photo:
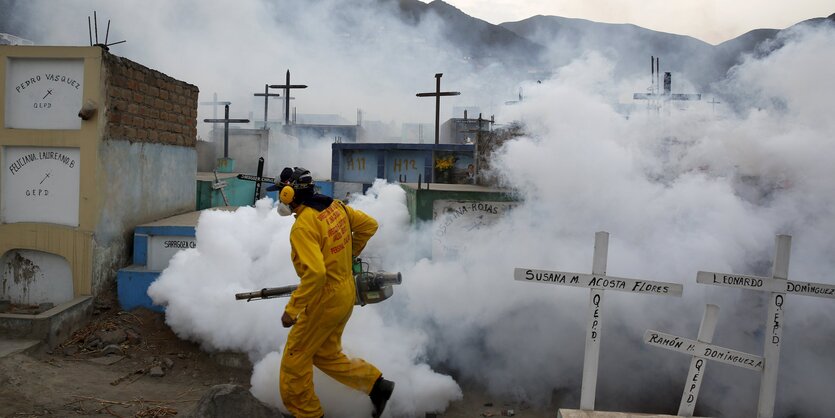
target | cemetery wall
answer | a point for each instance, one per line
(147, 155)
(421, 202)
(145, 105)
(76, 187)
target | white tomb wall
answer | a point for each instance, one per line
(162, 248)
(33, 277)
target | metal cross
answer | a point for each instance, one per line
(287, 86)
(266, 95)
(226, 121)
(214, 104)
(713, 102)
(437, 95)
(258, 178)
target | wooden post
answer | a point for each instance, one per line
(698, 365)
(594, 323)
(701, 350)
(774, 329)
(779, 286)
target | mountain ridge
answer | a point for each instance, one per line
(562, 40)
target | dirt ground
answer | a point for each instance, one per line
(148, 373)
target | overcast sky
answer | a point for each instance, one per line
(713, 21)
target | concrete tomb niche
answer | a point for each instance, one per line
(24, 283)
(456, 220)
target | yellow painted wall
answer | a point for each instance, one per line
(74, 244)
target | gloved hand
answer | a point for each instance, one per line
(287, 321)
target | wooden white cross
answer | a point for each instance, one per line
(598, 281)
(779, 286)
(701, 350)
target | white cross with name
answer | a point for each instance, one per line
(598, 281)
(701, 349)
(779, 286)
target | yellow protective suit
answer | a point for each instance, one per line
(322, 250)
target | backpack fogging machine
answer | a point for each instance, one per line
(372, 286)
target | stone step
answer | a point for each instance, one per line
(154, 244)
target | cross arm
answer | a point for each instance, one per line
(645, 96)
(682, 96)
(286, 86)
(443, 93)
(226, 120)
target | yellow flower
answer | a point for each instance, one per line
(445, 163)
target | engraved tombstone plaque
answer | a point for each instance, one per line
(40, 184)
(43, 93)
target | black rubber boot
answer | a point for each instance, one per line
(380, 394)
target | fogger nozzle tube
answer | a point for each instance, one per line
(372, 287)
(384, 278)
(267, 293)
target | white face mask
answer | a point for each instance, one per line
(284, 210)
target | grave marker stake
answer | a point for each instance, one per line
(779, 286)
(697, 365)
(258, 183)
(597, 282)
(701, 350)
(774, 323)
(220, 185)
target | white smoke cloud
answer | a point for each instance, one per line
(249, 249)
(678, 192)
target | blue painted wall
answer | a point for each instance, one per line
(363, 163)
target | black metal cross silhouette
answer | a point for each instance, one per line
(713, 102)
(287, 86)
(266, 95)
(258, 178)
(226, 121)
(214, 104)
(437, 95)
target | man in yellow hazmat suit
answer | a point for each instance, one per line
(325, 238)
